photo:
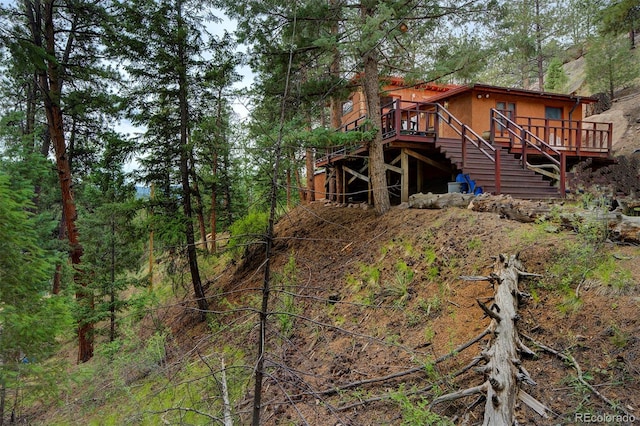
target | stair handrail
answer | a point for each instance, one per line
(467, 134)
(528, 139)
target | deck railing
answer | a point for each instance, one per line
(553, 139)
(360, 124)
(408, 118)
(521, 138)
(567, 135)
(469, 136)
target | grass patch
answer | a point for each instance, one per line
(416, 412)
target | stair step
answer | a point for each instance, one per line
(515, 180)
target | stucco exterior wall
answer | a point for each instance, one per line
(473, 106)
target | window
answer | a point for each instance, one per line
(553, 113)
(508, 109)
(347, 107)
(386, 101)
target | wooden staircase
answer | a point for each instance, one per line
(515, 180)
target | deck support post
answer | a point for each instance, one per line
(404, 180)
(345, 184)
(339, 184)
(332, 184)
(419, 173)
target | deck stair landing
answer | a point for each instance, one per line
(515, 180)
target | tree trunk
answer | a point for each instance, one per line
(334, 70)
(192, 253)
(503, 370)
(214, 204)
(539, 55)
(50, 84)
(226, 189)
(620, 226)
(311, 189)
(3, 394)
(57, 275)
(502, 389)
(377, 170)
(199, 206)
(288, 187)
(296, 176)
(112, 288)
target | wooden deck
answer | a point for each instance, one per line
(536, 146)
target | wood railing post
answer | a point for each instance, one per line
(563, 174)
(498, 170)
(492, 127)
(571, 134)
(397, 116)
(464, 145)
(523, 136)
(579, 139)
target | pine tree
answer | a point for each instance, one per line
(556, 78)
(113, 236)
(621, 16)
(161, 44)
(30, 320)
(59, 50)
(610, 65)
(526, 39)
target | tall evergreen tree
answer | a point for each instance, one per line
(527, 38)
(59, 43)
(30, 321)
(113, 238)
(609, 65)
(161, 46)
(213, 128)
(580, 20)
(620, 16)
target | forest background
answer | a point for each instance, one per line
(80, 249)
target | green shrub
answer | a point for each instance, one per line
(417, 413)
(246, 231)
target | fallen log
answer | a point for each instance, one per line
(503, 370)
(525, 211)
(439, 201)
(620, 227)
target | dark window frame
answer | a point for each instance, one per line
(557, 112)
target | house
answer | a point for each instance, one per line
(492, 139)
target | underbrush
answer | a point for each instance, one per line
(583, 261)
(395, 305)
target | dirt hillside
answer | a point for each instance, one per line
(382, 296)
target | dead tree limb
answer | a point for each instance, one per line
(424, 390)
(568, 358)
(336, 389)
(228, 420)
(503, 369)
